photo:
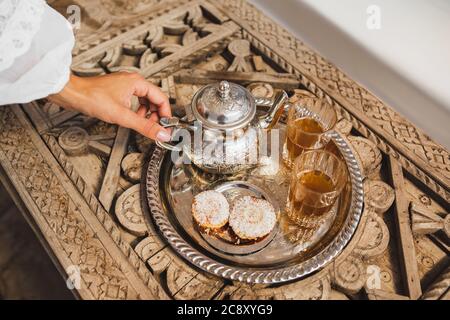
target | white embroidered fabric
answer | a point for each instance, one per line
(35, 51)
(19, 22)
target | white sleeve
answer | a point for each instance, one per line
(35, 60)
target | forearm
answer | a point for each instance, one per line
(73, 95)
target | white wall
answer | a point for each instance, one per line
(406, 62)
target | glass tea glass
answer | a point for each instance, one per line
(309, 121)
(317, 181)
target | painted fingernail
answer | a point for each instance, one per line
(163, 136)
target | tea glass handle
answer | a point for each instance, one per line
(172, 122)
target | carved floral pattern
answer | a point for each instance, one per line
(155, 263)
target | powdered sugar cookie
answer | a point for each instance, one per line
(252, 218)
(210, 209)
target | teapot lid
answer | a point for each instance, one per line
(223, 105)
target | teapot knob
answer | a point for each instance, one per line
(224, 89)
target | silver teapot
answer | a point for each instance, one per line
(224, 132)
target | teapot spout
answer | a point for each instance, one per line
(270, 119)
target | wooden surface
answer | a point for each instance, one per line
(61, 163)
(407, 250)
(26, 271)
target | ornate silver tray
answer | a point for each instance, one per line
(170, 187)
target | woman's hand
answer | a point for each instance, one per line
(108, 98)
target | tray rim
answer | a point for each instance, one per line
(270, 276)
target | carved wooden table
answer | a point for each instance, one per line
(77, 179)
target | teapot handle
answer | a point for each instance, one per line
(266, 102)
(275, 111)
(172, 122)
